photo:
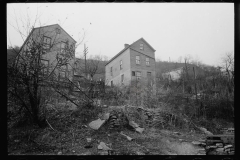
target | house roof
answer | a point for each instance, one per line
(43, 27)
(127, 48)
(58, 26)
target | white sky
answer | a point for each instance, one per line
(202, 30)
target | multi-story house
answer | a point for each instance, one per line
(134, 62)
(54, 45)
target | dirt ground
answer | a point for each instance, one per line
(72, 141)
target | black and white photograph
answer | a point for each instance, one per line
(120, 79)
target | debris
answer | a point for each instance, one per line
(96, 124)
(129, 138)
(140, 130)
(177, 133)
(139, 153)
(196, 143)
(228, 146)
(16, 140)
(103, 152)
(220, 145)
(133, 124)
(103, 146)
(105, 106)
(105, 116)
(136, 126)
(205, 131)
(220, 149)
(86, 153)
(59, 153)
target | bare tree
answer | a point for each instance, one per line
(43, 61)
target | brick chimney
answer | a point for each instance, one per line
(126, 45)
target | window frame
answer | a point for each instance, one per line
(46, 45)
(111, 71)
(147, 61)
(122, 79)
(121, 65)
(138, 60)
(45, 72)
(141, 46)
(62, 50)
(111, 83)
(133, 73)
(138, 77)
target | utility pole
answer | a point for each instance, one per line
(85, 51)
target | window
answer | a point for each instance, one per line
(75, 69)
(111, 83)
(122, 78)
(148, 74)
(111, 71)
(138, 75)
(62, 75)
(46, 42)
(133, 73)
(137, 59)
(58, 31)
(121, 65)
(45, 66)
(62, 46)
(147, 62)
(141, 46)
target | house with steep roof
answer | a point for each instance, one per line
(136, 62)
(51, 42)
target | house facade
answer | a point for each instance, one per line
(136, 62)
(54, 44)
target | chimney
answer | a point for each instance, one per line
(126, 45)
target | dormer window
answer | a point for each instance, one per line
(141, 46)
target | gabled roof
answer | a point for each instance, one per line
(58, 26)
(43, 27)
(146, 43)
(129, 47)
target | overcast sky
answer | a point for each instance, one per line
(202, 30)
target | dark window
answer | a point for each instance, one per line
(111, 83)
(111, 71)
(148, 74)
(122, 78)
(133, 73)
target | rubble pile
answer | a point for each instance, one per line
(220, 149)
(117, 120)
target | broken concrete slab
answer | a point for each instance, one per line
(140, 130)
(103, 146)
(129, 138)
(133, 124)
(196, 143)
(204, 130)
(96, 124)
(105, 116)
